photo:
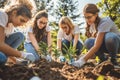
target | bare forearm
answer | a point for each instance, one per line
(59, 44)
(90, 53)
(49, 45)
(75, 43)
(49, 40)
(35, 45)
(34, 41)
(6, 49)
(75, 40)
(97, 45)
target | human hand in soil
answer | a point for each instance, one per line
(28, 56)
(79, 63)
(21, 61)
(48, 58)
(71, 61)
(11, 60)
(62, 58)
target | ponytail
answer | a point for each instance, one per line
(87, 33)
(91, 8)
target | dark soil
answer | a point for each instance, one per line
(59, 71)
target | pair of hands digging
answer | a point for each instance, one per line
(78, 63)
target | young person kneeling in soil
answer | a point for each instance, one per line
(103, 36)
(40, 31)
(15, 15)
(68, 33)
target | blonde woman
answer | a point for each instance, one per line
(68, 33)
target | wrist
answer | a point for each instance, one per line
(58, 48)
(21, 54)
(36, 48)
(82, 60)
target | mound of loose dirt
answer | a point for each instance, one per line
(59, 71)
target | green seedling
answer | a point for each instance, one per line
(70, 53)
(56, 53)
(43, 49)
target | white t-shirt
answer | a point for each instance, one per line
(48, 29)
(8, 27)
(62, 35)
(105, 25)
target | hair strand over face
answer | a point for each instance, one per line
(66, 20)
(39, 32)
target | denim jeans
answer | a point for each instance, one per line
(14, 40)
(111, 45)
(79, 46)
(30, 49)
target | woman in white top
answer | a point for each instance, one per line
(15, 15)
(103, 36)
(68, 33)
(39, 31)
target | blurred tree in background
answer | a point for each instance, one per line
(41, 4)
(3, 3)
(111, 8)
(58, 8)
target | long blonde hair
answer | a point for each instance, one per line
(66, 20)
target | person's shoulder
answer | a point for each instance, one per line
(60, 31)
(106, 19)
(106, 22)
(3, 13)
(48, 26)
(3, 18)
(76, 27)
